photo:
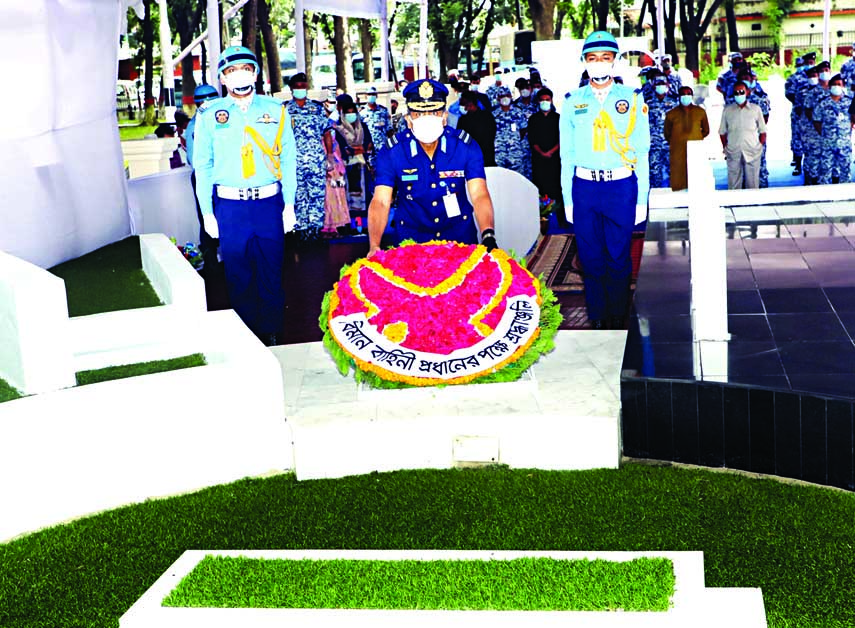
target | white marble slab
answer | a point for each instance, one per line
(565, 417)
(691, 605)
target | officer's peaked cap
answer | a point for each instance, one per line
(203, 93)
(600, 41)
(234, 55)
(425, 95)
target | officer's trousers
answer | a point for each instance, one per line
(603, 219)
(252, 246)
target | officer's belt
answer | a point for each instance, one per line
(603, 175)
(247, 194)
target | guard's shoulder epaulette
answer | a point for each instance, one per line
(464, 136)
(567, 95)
(391, 142)
(637, 90)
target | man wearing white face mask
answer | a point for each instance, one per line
(379, 124)
(246, 176)
(432, 167)
(833, 122)
(743, 133)
(511, 145)
(605, 179)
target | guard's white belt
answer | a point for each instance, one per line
(603, 175)
(247, 194)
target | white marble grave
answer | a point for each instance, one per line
(566, 417)
(692, 603)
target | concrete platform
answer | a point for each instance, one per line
(566, 416)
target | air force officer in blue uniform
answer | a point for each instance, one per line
(605, 141)
(246, 179)
(431, 166)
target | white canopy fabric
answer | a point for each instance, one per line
(63, 191)
(350, 8)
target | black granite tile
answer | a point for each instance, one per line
(782, 244)
(741, 280)
(785, 279)
(650, 303)
(842, 299)
(736, 427)
(814, 454)
(633, 397)
(710, 425)
(835, 278)
(672, 360)
(848, 320)
(762, 430)
(660, 426)
(834, 384)
(684, 406)
(758, 359)
(670, 328)
(809, 245)
(841, 455)
(811, 326)
(830, 260)
(785, 300)
(809, 358)
(771, 382)
(744, 301)
(748, 327)
(788, 438)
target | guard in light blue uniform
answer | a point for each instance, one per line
(202, 96)
(431, 167)
(832, 121)
(246, 182)
(605, 145)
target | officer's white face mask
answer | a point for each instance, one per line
(661, 89)
(599, 71)
(428, 128)
(814, 80)
(525, 93)
(825, 76)
(504, 101)
(240, 81)
(836, 90)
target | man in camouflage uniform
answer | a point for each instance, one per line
(791, 86)
(310, 125)
(673, 79)
(525, 102)
(758, 97)
(726, 81)
(377, 120)
(512, 149)
(833, 123)
(847, 73)
(661, 103)
(813, 95)
(493, 90)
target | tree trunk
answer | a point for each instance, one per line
(271, 47)
(308, 45)
(150, 116)
(732, 33)
(341, 45)
(249, 24)
(483, 42)
(259, 78)
(640, 23)
(691, 41)
(366, 43)
(518, 15)
(559, 22)
(671, 30)
(601, 14)
(543, 18)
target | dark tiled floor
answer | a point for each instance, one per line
(791, 304)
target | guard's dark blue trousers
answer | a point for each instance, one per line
(603, 219)
(252, 246)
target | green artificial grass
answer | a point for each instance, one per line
(795, 542)
(526, 584)
(134, 131)
(108, 279)
(140, 368)
(7, 392)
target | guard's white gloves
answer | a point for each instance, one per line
(640, 214)
(210, 225)
(568, 213)
(289, 218)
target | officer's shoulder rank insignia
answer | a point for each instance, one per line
(622, 106)
(464, 136)
(221, 116)
(266, 119)
(426, 90)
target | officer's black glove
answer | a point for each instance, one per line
(488, 239)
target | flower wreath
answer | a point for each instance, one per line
(438, 313)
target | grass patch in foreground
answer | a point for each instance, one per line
(140, 368)
(106, 280)
(528, 584)
(794, 542)
(7, 392)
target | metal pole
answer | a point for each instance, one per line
(168, 87)
(660, 27)
(299, 36)
(423, 19)
(384, 46)
(214, 43)
(826, 39)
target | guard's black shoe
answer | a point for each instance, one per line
(797, 172)
(616, 322)
(270, 340)
(598, 324)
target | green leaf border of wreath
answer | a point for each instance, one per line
(550, 319)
